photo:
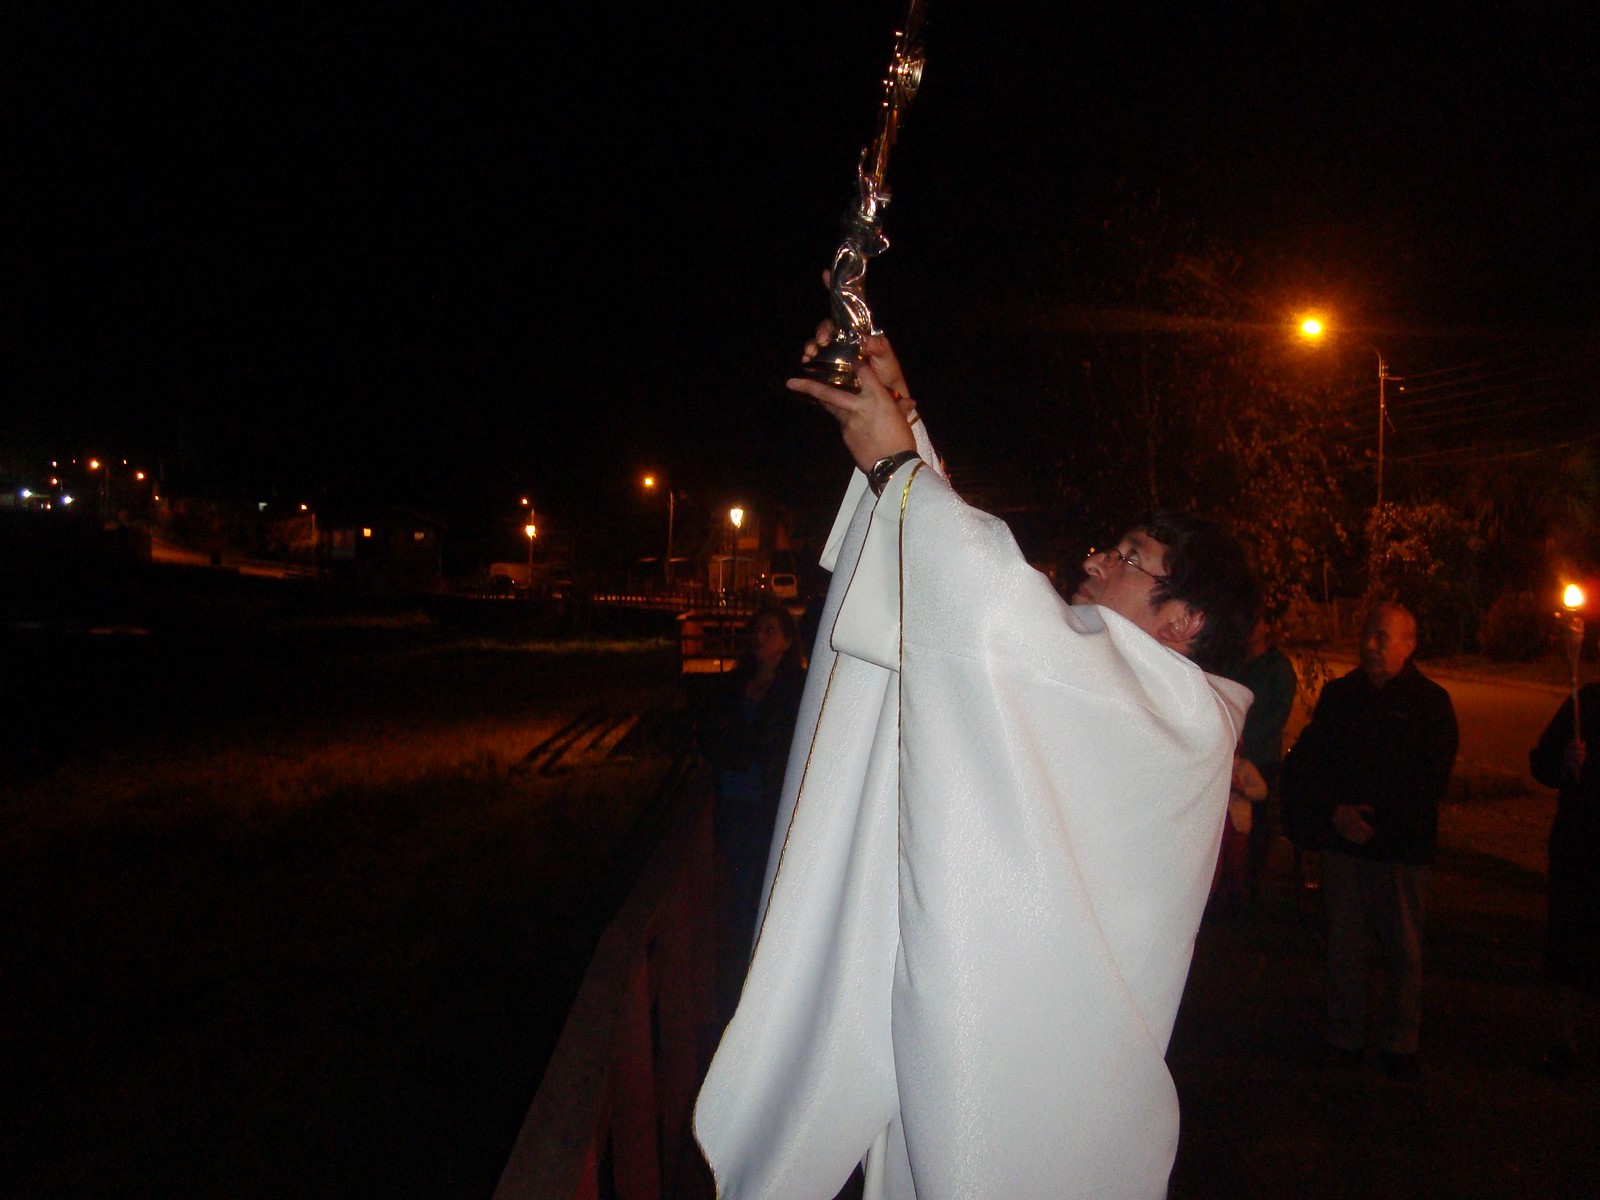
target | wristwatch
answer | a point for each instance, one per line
(884, 468)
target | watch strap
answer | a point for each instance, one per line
(884, 469)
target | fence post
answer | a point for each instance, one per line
(634, 1126)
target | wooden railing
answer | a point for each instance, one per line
(611, 1117)
(678, 599)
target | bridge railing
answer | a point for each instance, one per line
(611, 1117)
(677, 599)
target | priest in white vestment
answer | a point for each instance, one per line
(999, 823)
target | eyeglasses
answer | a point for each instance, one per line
(1130, 559)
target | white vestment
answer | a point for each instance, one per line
(999, 825)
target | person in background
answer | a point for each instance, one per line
(1374, 763)
(1245, 795)
(1270, 676)
(745, 731)
(1572, 955)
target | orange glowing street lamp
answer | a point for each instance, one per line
(1572, 600)
(532, 531)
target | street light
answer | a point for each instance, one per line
(105, 483)
(1312, 328)
(736, 521)
(650, 483)
(310, 512)
(1572, 599)
(532, 531)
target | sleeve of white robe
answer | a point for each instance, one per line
(803, 1080)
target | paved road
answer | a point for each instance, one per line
(1500, 722)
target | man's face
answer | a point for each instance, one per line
(1123, 577)
(1387, 640)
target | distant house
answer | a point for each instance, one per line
(396, 551)
(744, 560)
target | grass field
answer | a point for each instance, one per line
(293, 917)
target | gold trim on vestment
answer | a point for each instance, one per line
(822, 710)
(800, 791)
(899, 681)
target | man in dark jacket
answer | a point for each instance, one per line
(1374, 763)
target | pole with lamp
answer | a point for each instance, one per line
(735, 523)
(1312, 329)
(311, 513)
(650, 484)
(105, 484)
(1572, 600)
(726, 644)
(529, 531)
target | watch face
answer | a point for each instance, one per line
(884, 468)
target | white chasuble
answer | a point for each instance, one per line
(999, 825)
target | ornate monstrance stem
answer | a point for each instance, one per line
(835, 363)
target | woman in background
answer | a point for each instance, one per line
(745, 731)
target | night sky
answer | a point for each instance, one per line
(445, 255)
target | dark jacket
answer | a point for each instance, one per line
(1576, 832)
(1392, 748)
(733, 742)
(1572, 950)
(1271, 679)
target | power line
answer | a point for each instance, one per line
(1458, 455)
(1459, 420)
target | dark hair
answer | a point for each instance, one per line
(792, 657)
(1207, 570)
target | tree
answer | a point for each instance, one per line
(1197, 402)
(1535, 514)
(1426, 557)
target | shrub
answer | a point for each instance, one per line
(1515, 629)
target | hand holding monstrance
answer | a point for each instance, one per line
(835, 363)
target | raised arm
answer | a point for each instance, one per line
(876, 422)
